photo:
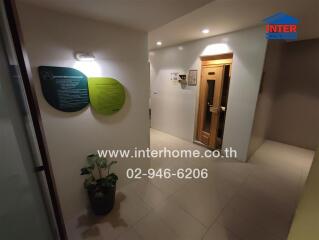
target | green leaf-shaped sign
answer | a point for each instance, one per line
(65, 89)
(107, 95)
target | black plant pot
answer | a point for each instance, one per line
(102, 202)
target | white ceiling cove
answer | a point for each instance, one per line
(139, 14)
(222, 16)
(176, 21)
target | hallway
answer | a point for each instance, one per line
(238, 201)
(109, 111)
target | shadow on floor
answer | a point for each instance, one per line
(90, 221)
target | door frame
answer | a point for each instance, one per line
(28, 84)
(206, 61)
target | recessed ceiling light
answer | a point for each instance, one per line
(205, 30)
(159, 43)
(180, 48)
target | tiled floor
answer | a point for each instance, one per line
(239, 201)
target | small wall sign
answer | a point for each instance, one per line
(174, 76)
(107, 95)
(65, 89)
(192, 78)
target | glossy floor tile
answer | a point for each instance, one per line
(218, 232)
(238, 201)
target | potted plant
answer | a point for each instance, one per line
(100, 184)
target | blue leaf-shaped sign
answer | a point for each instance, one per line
(65, 89)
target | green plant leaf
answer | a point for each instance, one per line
(91, 159)
(90, 182)
(111, 179)
(102, 163)
(109, 166)
(87, 183)
(91, 168)
(111, 163)
(85, 171)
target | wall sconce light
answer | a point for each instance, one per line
(80, 56)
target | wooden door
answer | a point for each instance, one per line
(210, 104)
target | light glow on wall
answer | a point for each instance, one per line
(89, 68)
(215, 49)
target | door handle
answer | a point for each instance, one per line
(213, 109)
(223, 108)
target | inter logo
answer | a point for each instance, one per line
(281, 26)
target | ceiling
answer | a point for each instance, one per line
(222, 16)
(144, 15)
(177, 21)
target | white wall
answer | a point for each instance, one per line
(174, 109)
(287, 107)
(266, 98)
(51, 39)
(295, 114)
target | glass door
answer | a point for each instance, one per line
(24, 212)
(209, 105)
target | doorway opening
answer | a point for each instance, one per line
(213, 96)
